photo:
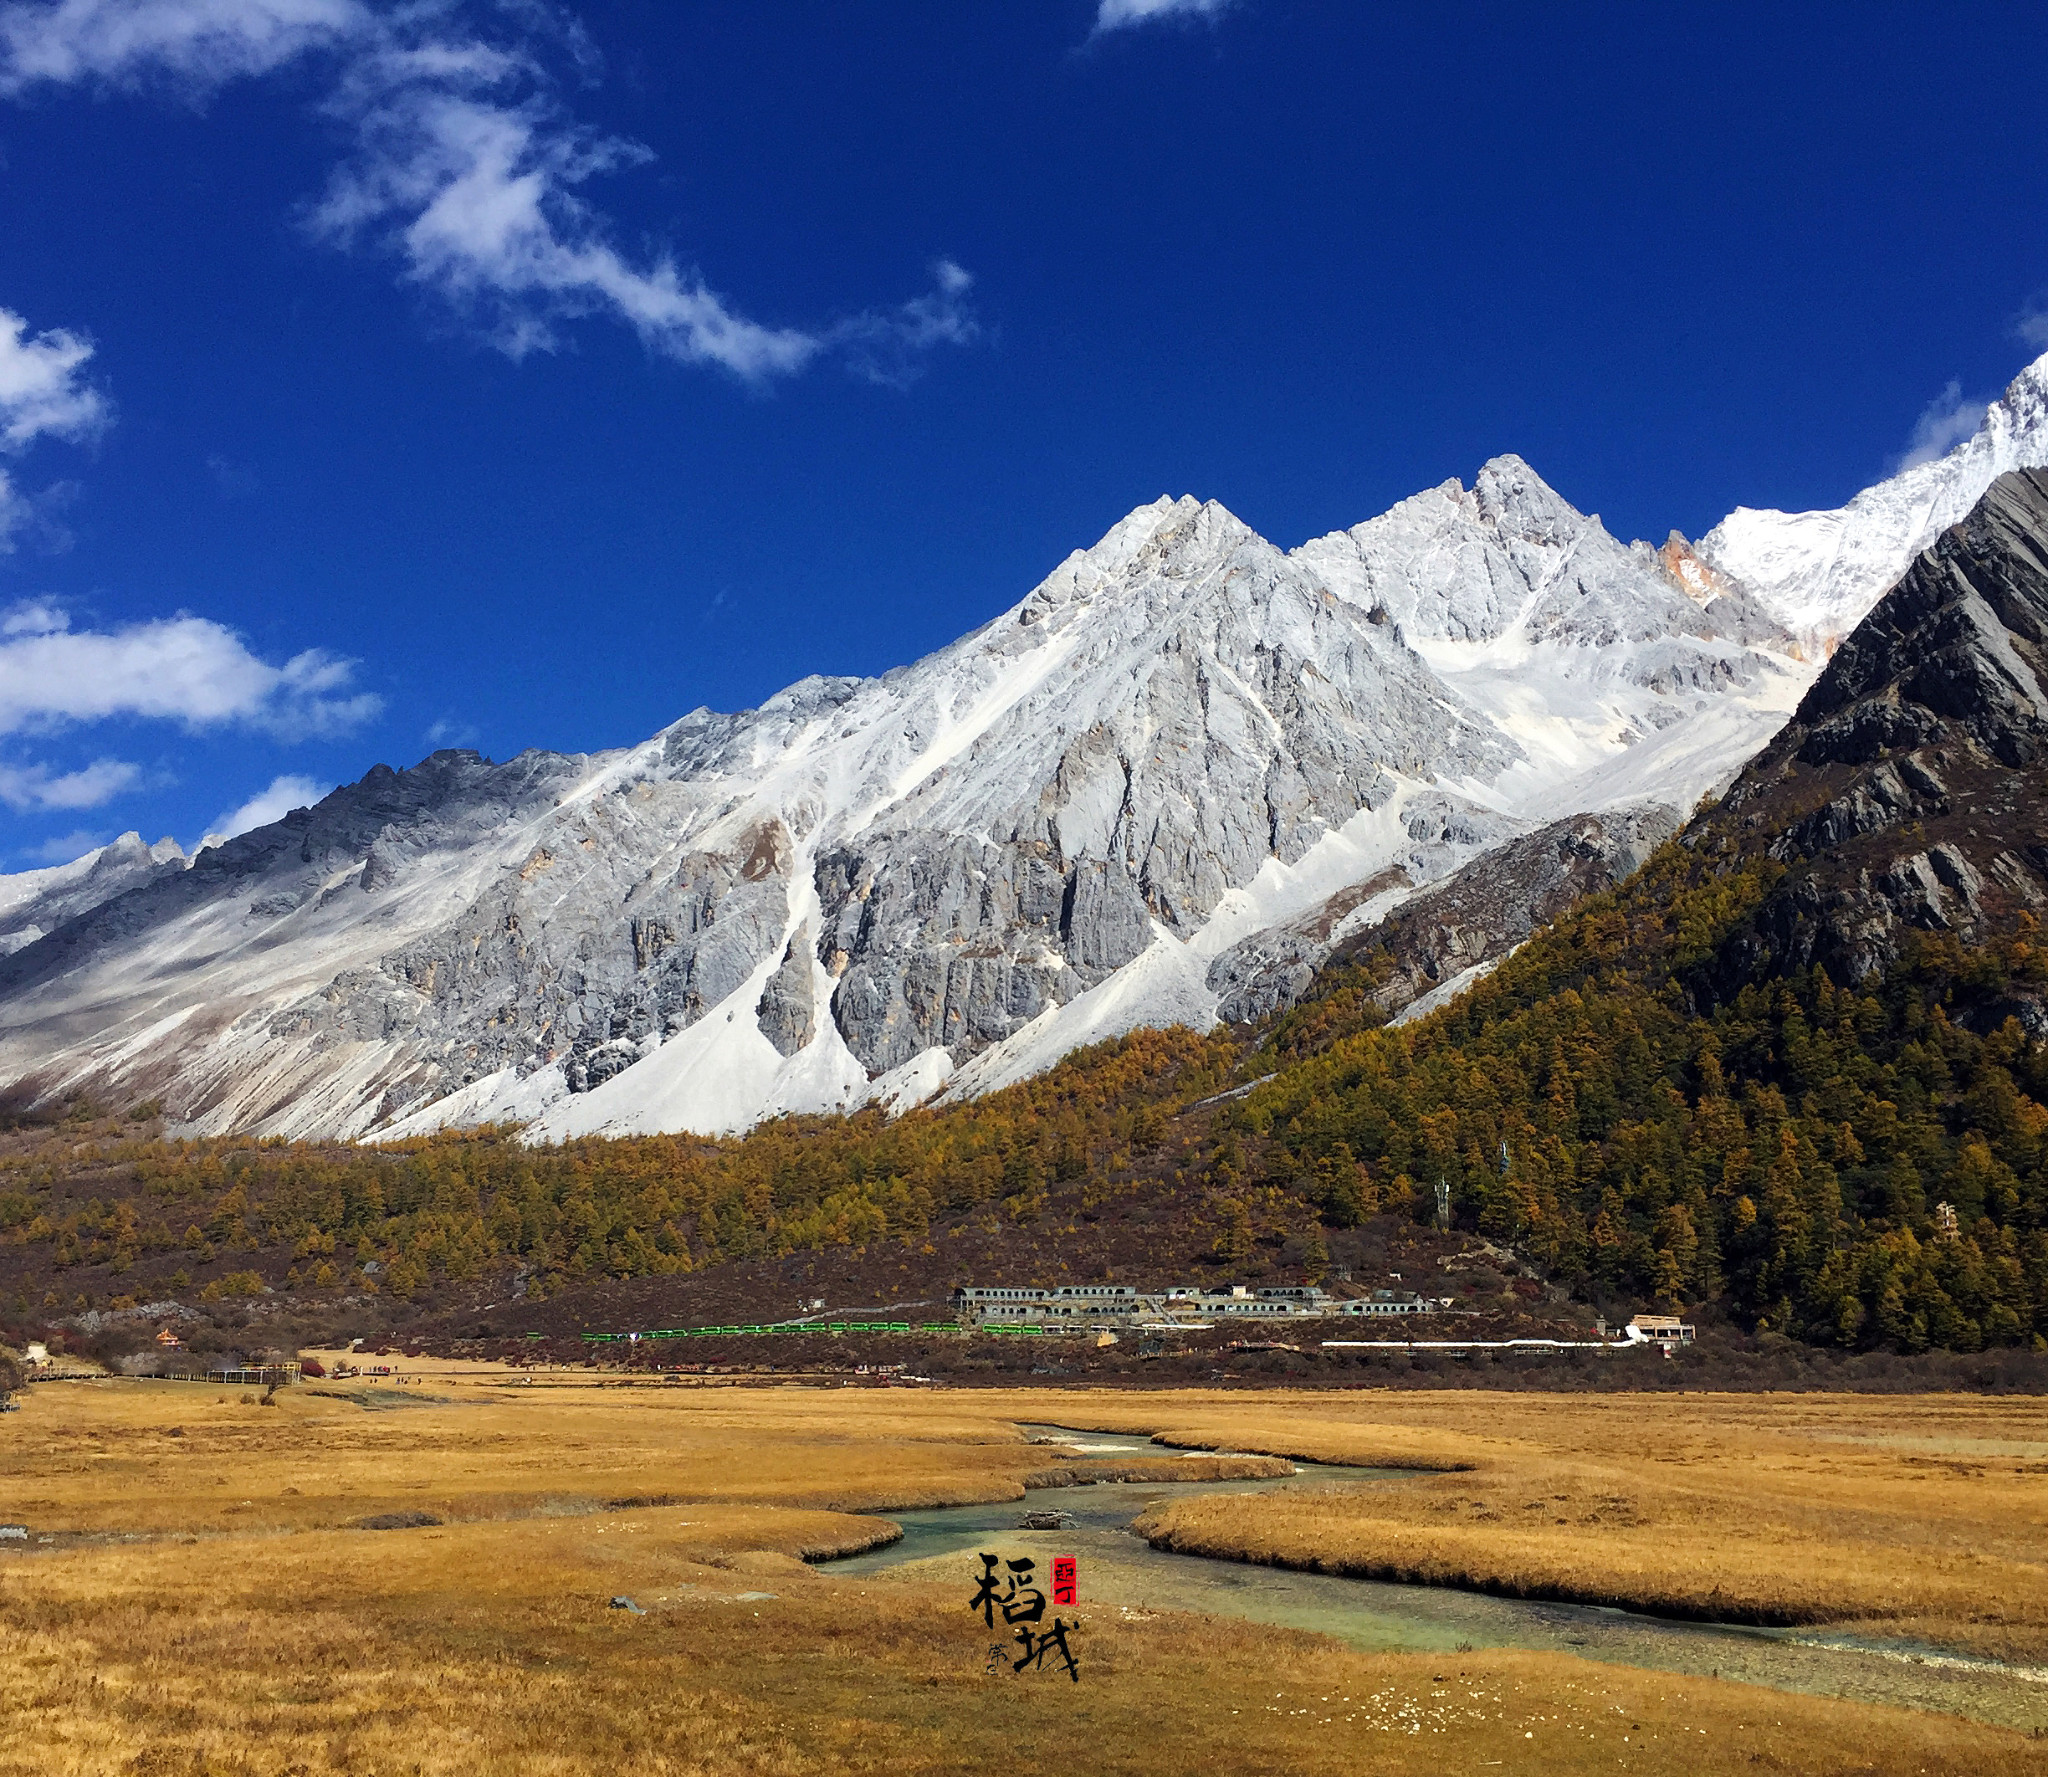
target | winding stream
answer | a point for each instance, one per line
(1118, 1568)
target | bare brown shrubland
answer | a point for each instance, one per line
(245, 1633)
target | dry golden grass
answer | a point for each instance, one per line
(1924, 1515)
(256, 1638)
(166, 1456)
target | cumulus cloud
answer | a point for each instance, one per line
(1116, 14)
(465, 166)
(26, 787)
(43, 393)
(183, 669)
(1943, 424)
(278, 799)
(41, 388)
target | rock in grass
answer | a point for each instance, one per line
(622, 1602)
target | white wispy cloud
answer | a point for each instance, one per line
(276, 800)
(36, 787)
(43, 393)
(183, 669)
(469, 175)
(1116, 14)
(66, 847)
(1943, 424)
(2031, 323)
(465, 166)
(195, 44)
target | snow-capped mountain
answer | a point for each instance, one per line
(33, 902)
(1819, 573)
(1050, 832)
(1164, 786)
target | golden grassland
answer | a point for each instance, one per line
(156, 1457)
(1908, 1516)
(242, 1630)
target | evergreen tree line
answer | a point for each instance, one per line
(1864, 1166)
(1860, 1166)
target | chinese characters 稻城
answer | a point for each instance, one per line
(1010, 1587)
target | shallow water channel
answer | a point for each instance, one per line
(1119, 1568)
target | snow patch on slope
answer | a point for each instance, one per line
(1441, 995)
(1166, 984)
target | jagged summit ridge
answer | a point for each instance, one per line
(1068, 823)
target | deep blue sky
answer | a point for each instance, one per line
(1301, 256)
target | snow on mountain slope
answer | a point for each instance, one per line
(33, 902)
(1616, 681)
(1054, 830)
(1819, 573)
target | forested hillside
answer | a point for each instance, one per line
(101, 1210)
(1789, 1147)
(1794, 1066)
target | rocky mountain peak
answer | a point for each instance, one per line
(1078, 818)
(1517, 502)
(1907, 792)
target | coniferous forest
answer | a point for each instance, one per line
(1862, 1168)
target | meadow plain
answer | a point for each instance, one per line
(206, 1605)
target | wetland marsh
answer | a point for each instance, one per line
(204, 1606)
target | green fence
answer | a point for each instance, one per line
(783, 1327)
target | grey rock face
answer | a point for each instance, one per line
(1475, 915)
(1956, 647)
(380, 869)
(1173, 719)
(1499, 900)
(1216, 708)
(1906, 794)
(789, 1009)
(950, 945)
(580, 955)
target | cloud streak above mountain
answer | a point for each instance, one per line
(188, 670)
(465, 167)
(276, 800)
(1943, 424)
(36, 788)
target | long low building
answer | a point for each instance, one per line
(1021, 1304)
